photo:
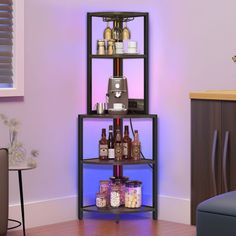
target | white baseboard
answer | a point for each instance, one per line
(46, 212)
(65, 209)
(174, 209)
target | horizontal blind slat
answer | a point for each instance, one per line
(6, 28)
(6, 8)
(5, 41)
(6, 72)
(6, 66)
(5, 21)
(5, 34)
(6, 54)
(6, 80)
(5, 59)
(6, 14)
(5, 1)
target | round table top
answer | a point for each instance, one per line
(21, 167)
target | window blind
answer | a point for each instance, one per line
(6, 43)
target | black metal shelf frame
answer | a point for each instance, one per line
(95, 161)
(144, 56)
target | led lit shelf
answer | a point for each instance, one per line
(118, 14)
(119, 210)
(125, 55)
(97, 161)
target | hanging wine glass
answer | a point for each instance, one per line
(126, 32)
(107, 32)
(116, 32)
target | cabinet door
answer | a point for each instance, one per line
(229, 148)
(205, 167)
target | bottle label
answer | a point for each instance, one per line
(111, 153)
(125, 149)
(103, 150)
(118, 151)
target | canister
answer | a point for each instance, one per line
(133, 194)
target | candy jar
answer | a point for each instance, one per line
(133, 194)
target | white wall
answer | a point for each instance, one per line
(191, 45)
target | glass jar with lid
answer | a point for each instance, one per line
(101, 200)
(115, 196)
(104, 188)
(133, 194)
(120, 182)
(101, 47)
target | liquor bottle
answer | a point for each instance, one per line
(126, 144)
(118, 145)
(103, 146)
(135, 147)
(111, 150)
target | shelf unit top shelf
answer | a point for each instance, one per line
(97, 161)
(118, 14)
(119, 210)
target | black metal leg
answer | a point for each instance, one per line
(154, 171)
(80, 158)
(21, 200)
(117, 218)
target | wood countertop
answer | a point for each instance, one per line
(229, 95)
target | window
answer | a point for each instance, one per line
(11, 48)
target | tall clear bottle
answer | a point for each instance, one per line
(118, 145)
(126, 144)
(136, 147)
(111, 150)
(103, 146)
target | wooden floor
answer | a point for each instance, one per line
(98, 227)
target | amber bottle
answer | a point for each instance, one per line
(135, 147)
(126, 144)
(103, 146)
(118, 145)
(111, 151)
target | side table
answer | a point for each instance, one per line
(19, 169)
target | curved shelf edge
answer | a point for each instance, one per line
(109, 116)
(119, 210)
(96, 161)
(124, 56)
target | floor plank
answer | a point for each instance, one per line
(98, 227)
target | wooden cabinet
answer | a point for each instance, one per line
(213, 149)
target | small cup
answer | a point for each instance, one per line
(100, 107)
(132, 44)
(119, 51)
(132, 50)
(119, 45)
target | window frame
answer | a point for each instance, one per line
(18, 52)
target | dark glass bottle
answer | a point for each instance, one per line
(111, 150)
(103, 146)
(118, 145)
(136, 147)
(126, 144)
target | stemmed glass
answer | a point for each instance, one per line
(107, 32)
(116, 33)
(126, 32)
